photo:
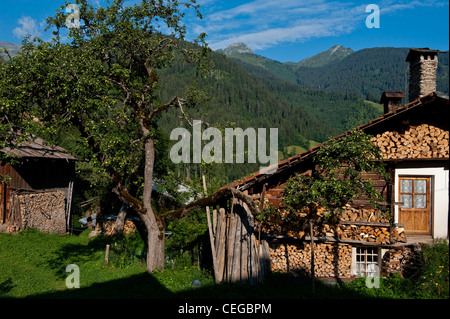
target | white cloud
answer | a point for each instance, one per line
(29, 26)
(263, 24)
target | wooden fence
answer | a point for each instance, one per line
(239, 254)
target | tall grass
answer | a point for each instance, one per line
(433, 271)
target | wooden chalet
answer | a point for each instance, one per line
(414, 141)
(38, 193)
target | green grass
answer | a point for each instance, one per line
(32, 265)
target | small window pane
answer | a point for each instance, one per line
(359, 268)
(420, 201)
(406, 185)
(407, 201)
(420, 186)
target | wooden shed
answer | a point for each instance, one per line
(39, 188)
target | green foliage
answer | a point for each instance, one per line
(101, 82)
(188, 238)
(127, 250)
(338, 177)
(432, 275)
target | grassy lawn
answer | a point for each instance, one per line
(33, 265)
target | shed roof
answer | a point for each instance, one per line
(391, 94)
(36, 147)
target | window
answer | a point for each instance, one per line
(365, 260)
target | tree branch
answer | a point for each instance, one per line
(125, 196)
(221, 194)
(174, 102)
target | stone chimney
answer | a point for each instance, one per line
(392, 100)
(422, 72)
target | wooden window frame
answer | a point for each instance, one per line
(378, 252)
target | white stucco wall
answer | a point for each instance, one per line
(440, 195)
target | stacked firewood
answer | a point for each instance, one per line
(330, 260)
(373, 234)
(397, 260)
(366, 225)
(423, 141)
(362, 215)
(45, 211)
(109, 225)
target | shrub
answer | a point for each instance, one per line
(126, 250)
(433, 271)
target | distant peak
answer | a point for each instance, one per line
(237, 48)
(335, 48)
(336, 52)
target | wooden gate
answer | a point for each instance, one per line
(238, 252)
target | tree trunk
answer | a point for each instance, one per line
(155, 241)
(154, 226)
(120, 220)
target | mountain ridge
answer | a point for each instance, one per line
(236, 48)
(12, 48)
(336, 52)
(367, 72)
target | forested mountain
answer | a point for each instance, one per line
(249, 100)
(366, 72)
(252, 101)
(280, 70)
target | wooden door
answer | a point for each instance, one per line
(415, 212)
(4, 201)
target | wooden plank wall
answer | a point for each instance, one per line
(274, 195)
(239, 253)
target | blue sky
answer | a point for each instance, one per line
(283, 30)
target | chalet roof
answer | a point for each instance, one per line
(37, 148)
(260, 177)
(391, 94)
